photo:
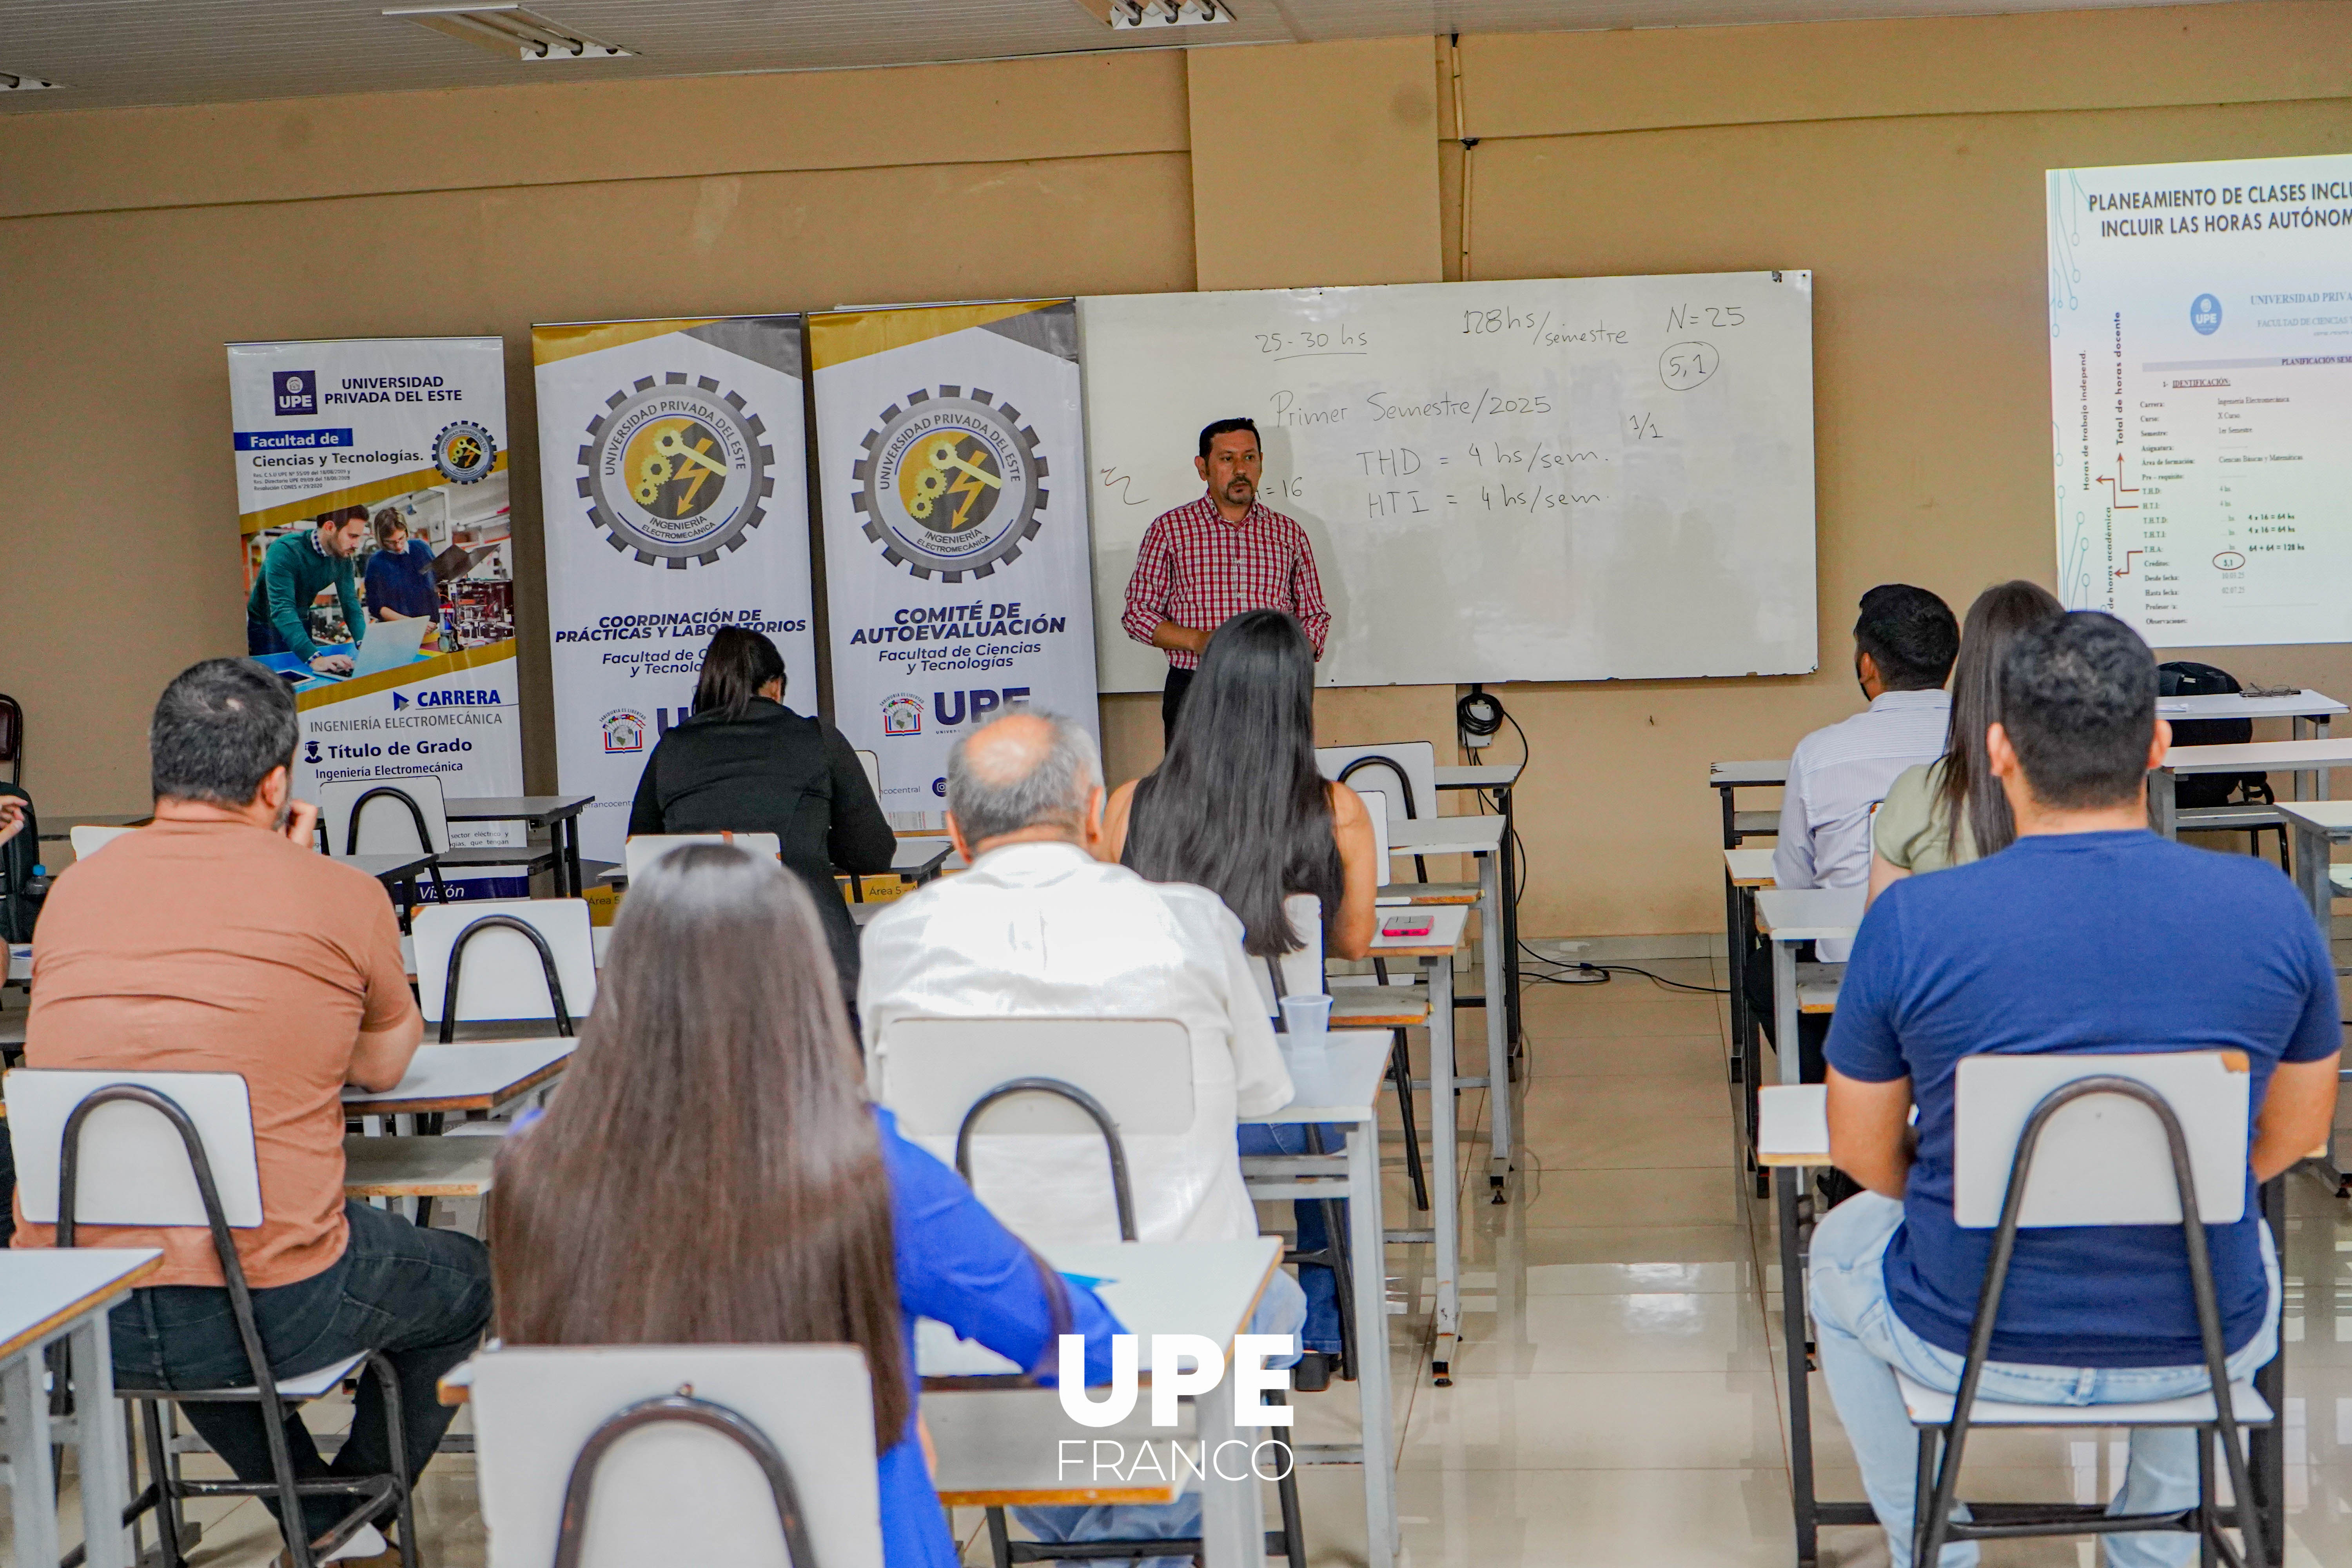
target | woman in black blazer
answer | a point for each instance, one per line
(747, 763)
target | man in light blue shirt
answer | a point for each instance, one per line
(1903, 645)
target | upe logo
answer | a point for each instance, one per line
(902, 714)
(295, 392)
(1182, 1365)
(623, 731)
(2205, 314)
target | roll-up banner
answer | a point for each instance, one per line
(957, 555)
(674, 467)
(397, 636)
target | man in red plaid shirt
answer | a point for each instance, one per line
(1207, 562)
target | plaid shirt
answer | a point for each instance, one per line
(1199, 571)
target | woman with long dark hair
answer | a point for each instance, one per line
(710, 1173)
(1237, 806)
(1952, 811)
(746, 763)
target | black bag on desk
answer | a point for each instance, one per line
(20, 904)
(2186, 678)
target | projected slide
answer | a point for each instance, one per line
(2200, 397)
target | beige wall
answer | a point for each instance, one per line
(1901, 161)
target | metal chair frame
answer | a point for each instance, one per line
(415, 814)
(166, 1490)
(1289, 1542)
(546, 964)
(680, 1408)
(1411, 811)
(1940, 1474)
(1333, 1253)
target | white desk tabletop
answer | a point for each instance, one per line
(43, 1286)
(1446, 924)
(1758, 773)
(1750, 867)
(1207, 1288)
(391, 868)
(1352, 1085)
(2304, 704)
(515, 807)
(2258, 756)
(917, 855)
(1444, 835)
(479, 1075)
(1479, 777)
(1792, 1124)
(2333, 817)
(1808, 914)
(20, 961)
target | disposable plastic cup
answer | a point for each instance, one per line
(1306, 1046)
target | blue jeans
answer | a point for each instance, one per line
(420, 1297)
(1862, 1343)
(1281, 1310)
(1322, 1286)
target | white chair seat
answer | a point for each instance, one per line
(1932, 1407)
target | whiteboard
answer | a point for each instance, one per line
(1581, 478)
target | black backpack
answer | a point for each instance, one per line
(2187, 677)
(19, 904)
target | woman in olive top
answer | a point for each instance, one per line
(747, 763)
(1952, 811)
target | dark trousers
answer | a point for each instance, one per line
(1812, 1029)
(420, 1297)
(261, 637)
(1171, 697)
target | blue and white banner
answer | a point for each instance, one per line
(409, 437)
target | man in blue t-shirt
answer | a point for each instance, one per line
(2089, 935)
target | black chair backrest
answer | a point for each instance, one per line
(1121, 1194)
(387, 792)
(2187, 677)
(681, 1409)
(1404, 791)
(18, 907)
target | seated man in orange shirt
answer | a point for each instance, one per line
(216, 940)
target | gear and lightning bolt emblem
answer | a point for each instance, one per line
(676, 472)
(951, 482)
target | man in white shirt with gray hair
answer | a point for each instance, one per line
(1903, 645)
(1039, 927)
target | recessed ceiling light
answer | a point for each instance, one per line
(1123, 15)
(11, 82)
(513, 31)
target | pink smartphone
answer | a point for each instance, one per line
(1407, 925)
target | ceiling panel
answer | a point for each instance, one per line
(118, 53)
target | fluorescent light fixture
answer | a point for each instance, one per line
(513, 31)
(1125, 14)
(11, 82)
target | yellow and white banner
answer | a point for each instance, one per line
(674, 474)
(958, 564)
(409, 436)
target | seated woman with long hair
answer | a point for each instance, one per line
(1238, 806)
(1952, 811)
(711, 1174)
(746, 763)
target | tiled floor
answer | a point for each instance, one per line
(1617, 1401)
